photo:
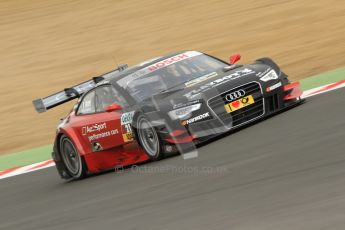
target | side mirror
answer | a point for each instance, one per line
(234, 58)
(113, 107)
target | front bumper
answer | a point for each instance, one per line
(269, 98)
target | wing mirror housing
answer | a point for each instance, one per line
(234, 58)
(113, 107)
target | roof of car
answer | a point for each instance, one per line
(119, 75)
(149, 62)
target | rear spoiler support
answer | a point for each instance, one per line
(43, 104)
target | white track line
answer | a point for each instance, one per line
(323, 89)
(26, 169)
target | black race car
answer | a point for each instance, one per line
(164, 105)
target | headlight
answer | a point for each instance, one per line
(271, 75)
(184, 113)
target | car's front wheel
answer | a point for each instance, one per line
(71, 158)
(148, 138)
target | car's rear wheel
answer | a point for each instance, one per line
(71, 158)
(148, 138)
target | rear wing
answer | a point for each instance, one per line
(43, 104)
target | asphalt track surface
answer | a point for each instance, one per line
(286, 172)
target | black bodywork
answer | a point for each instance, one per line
(212, 119)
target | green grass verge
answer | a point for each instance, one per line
(25, 157)
(323, 79)
(44, 153)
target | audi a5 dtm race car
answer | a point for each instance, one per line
(163, 105)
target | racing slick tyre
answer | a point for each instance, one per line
(148, 138)
(71, 159)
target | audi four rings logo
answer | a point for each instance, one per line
(235, 95)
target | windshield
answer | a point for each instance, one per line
(187, 68)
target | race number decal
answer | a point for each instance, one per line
(127, 133)
(126, 128)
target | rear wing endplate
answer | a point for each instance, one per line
(43, 104)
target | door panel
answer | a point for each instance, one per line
(101, 130)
